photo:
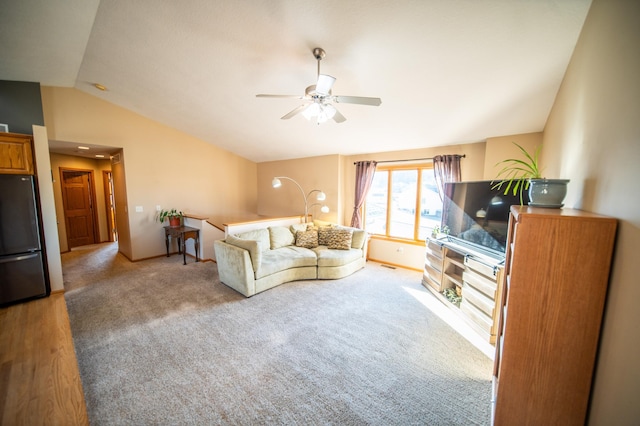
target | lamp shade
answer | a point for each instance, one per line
(496, 201)
(321, 111)
(321, 196)
(326, 113)
(311, 111)
(276, 183)
(324, 209)
(325, 83)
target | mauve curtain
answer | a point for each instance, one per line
(364, 178)
(446, 169)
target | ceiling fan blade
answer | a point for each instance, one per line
(279, 96)
(325, 83)
(294, 112)
(357, 100)
(339, 118)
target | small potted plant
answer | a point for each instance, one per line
(519, 175)
(174, 216)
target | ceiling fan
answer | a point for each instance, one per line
(318, 100)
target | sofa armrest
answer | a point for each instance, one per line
(234, 267)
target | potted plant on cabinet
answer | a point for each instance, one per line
(174, 216)
(519, 175)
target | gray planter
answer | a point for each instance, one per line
(548, 193)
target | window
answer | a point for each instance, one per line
(403, 203)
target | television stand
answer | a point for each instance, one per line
(474, 275)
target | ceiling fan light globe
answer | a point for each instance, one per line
(311, 111)
(327, 111)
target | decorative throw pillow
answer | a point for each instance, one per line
(323, 235)
(340, 239)
(307, 239)
(280, 236)
(359, 237)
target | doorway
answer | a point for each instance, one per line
(110, 205)
(79, 201)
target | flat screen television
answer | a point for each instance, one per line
(478, 215)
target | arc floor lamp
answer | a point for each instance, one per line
(321, 196)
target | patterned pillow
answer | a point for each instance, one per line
(324, 232)
(359, 237)
(340, 239)
(307, 239)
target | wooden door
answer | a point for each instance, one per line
(79, 200)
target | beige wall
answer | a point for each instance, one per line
(593, 138)
(311, 173)
(163, 166)
(79, 163)
(502, 147)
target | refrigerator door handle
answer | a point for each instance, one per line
(18, 258)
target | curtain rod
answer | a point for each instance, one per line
(411, 159)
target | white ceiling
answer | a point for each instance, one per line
(447, 71)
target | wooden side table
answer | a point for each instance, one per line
(183, 233)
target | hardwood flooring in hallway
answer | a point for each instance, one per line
(39, 377)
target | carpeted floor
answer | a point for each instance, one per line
(162, 343)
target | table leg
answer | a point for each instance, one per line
(197, 245)
(184, 252)
(166, 242)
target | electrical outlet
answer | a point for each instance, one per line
(139, 209)
(158, 208)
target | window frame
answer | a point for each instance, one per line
(419, 168)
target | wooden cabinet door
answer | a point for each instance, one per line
(16, 154)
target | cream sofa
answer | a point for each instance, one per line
(255, 261)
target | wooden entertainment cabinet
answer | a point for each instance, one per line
(557, 273)
(476, 277)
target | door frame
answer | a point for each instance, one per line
(107, 181)
(92, 199)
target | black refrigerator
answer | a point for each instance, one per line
(23, 271)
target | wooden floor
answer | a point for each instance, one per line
(39, 378)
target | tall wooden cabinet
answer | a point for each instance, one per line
(556, 277)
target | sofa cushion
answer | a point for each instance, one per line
(299, 227)
(319, 223)
(340, 239)
(252, 246)
(280, 236)
(260, 235)
(308, 239)
(328, 257)
(285, 258)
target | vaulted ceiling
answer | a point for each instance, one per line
(447, 71)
